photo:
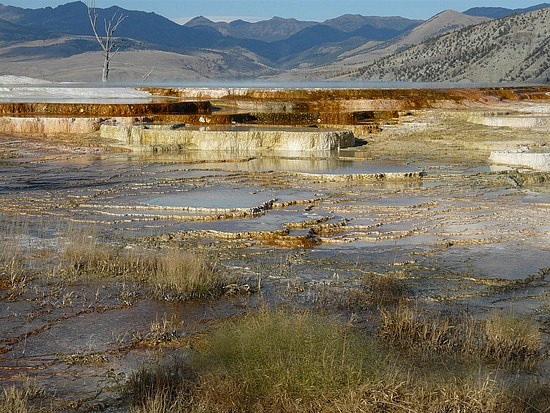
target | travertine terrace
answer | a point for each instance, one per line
(416, 197)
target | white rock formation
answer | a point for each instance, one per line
(537, 161)
(249, 139)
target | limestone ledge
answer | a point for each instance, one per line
(249, 139)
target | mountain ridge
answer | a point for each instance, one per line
(278, 48)
(500, 12)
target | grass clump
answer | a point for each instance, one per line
(511, 340)
(14, 400)
(85, 256)
(379, 291)
(170, 274)
(21, 400)
(14, 252)
(178, 275)
(412, 328)
(271, 361)
(160, 388)
(279, 358)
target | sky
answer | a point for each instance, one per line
(316, 10)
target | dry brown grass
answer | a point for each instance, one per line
(84, 255)
(13, 251)
(14, 401)
(413, 328)
(501, 339)
(170, 274)
(509, 339)
(185, 275)
(25, 399)
(160, 388)
(379, 290)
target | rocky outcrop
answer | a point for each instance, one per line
(228, 139)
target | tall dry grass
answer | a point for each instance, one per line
(24, 399)
(509, 339)
(185, 275)
(502, 339)
(160, 388)
(169, 274)
(377, 291)
(13, 251)
(14, 401)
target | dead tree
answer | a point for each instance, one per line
(108, 42)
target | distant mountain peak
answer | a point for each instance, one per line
(453, 15)
(199, 20)
(443, 22)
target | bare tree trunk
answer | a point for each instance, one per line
(105, 73)
(107, 42)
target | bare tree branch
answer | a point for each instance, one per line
(108, 43)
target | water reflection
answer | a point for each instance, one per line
(292, 161)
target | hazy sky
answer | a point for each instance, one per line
(318, 10)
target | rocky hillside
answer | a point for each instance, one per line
(515, 48)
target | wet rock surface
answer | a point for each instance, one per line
(419, 200)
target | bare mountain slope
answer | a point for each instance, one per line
(516, 48)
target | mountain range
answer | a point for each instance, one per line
(58, 44)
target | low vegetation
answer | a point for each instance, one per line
(279, 360)
(502, 339)
(170, 274)
(13, 400)
(13, 250)
(22, 400)
(378, 290)
(285, 360)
